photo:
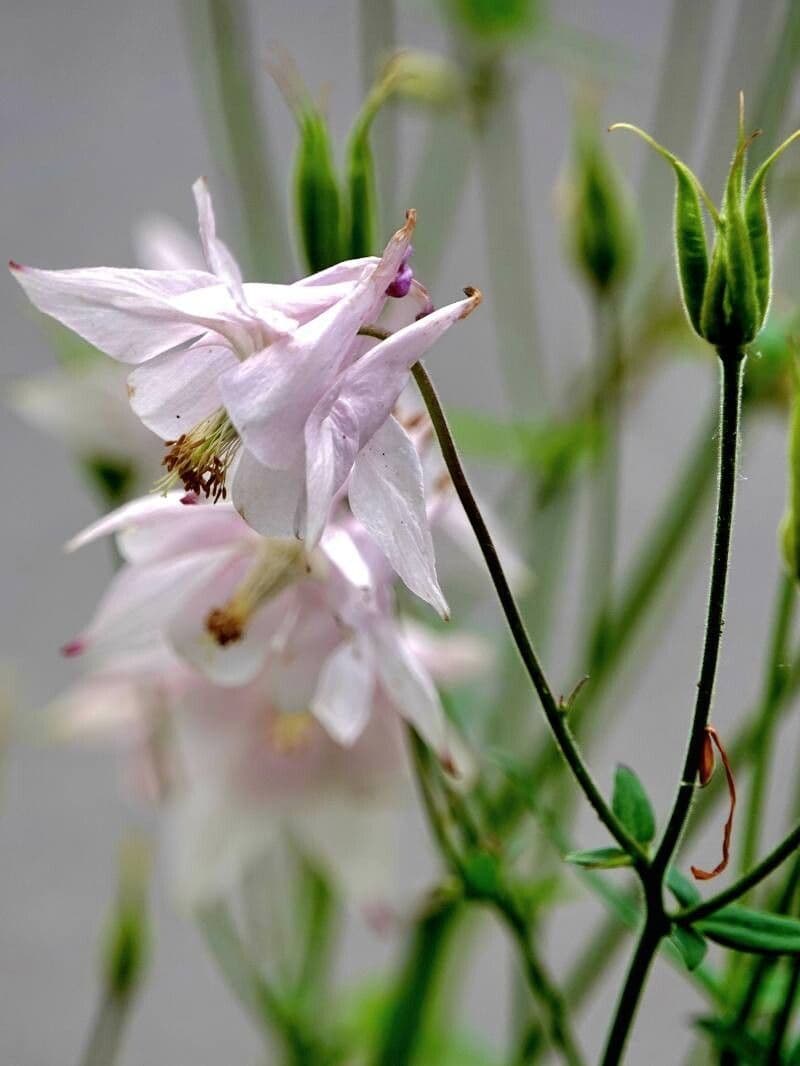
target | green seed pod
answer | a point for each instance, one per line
(317, 196)
(600, 219)
(126, 944)
(758, 228)
(690, 234)
(740, 314)
(712, 312)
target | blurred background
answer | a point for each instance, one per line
(104, 118)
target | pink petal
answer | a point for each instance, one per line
(343, 700)
(331, 447)
(409, 687)
(371, 387)
(239, 661)
(217, 255)
(125, 313)
(160, 527)
(387, 496)
(271, 501)
(140, 600)
(270, 396)
(349, 270)
(175, 391)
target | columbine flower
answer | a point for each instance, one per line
(279, 369)
(199, 584)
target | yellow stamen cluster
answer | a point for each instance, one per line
(279, 562)
(201, 458)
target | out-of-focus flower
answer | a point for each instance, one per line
(85, 407)
(307, 745)
(201, 584)
(279, 369)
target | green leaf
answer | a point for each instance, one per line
(682, 888)
(632, 807)
(752, 931)
(599, 858)
(691, 946)
(749, 1049)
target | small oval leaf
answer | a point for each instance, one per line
(631, 805)
(599, 858)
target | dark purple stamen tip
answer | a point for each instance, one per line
(73, 648)
(190, 499)
(401, 285)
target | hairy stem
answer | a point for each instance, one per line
(729, 446)
(656, 925)
(556, 718)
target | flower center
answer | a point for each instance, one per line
(202, 457)
(288, 733)
(279, 562)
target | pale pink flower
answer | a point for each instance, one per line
(279, 369)
(199, 583)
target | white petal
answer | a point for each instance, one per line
(161, 244)
(159, 527)
(409, 687)
(218, 257)
(371, 387)
(235, 663)
(356, 840)
(343, 699)
(174, 392)
(270, 501)
(331, 443)
(141, 600)
(127, 314)
(348, 270)
(449, 658)
(213, 839)
(270, 396)
(387, 496)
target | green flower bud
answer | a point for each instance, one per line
(495, 19)
(601, 227)
(727, 301)
(317, 196)
(126, 943)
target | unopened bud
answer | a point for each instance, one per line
(726, 299)
(126, 944)
(601, 229)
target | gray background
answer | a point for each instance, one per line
(98, 124)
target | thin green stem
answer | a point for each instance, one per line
(656, 924)
(105, 1039)
(775, 679)
(742, 885)
(542, 987)
(411, 1002)
(731, 363)
(604, 488)
(648, 575)
(546, 993)
(628, 1003)
(553, 713)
